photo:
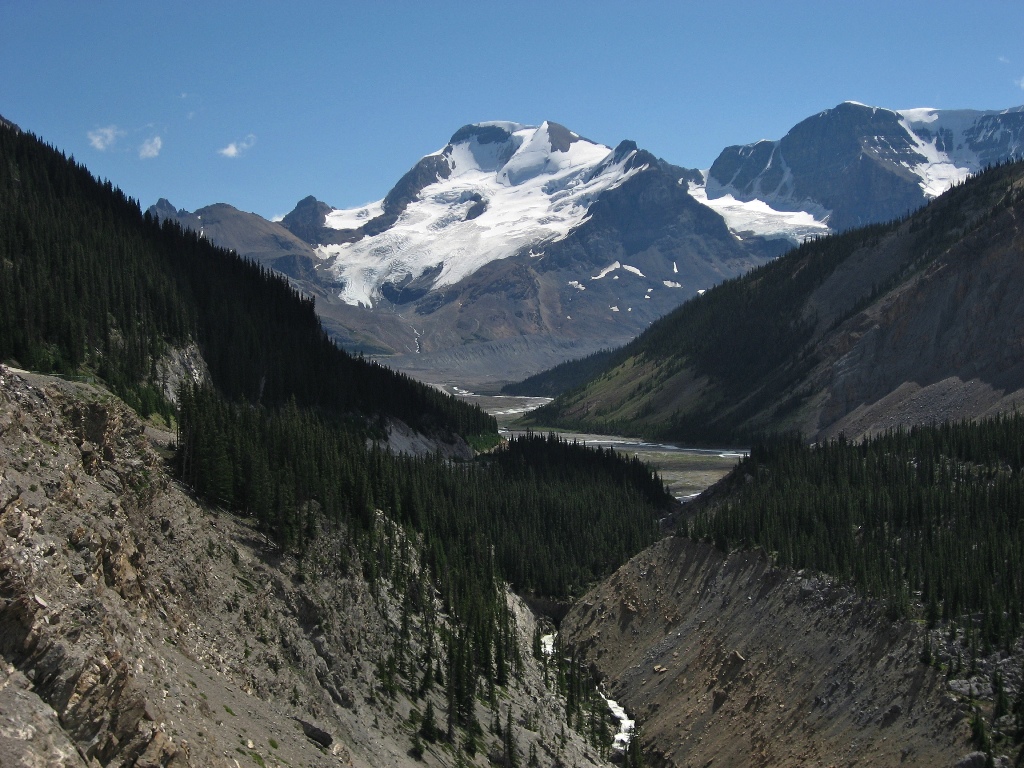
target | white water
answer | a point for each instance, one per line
(625, 734)
(626, 725)
(547, 644)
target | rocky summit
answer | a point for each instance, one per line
(854, 165)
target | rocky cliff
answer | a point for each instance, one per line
(726, 660)
(138, 627)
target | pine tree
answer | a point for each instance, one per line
(511, 752)
(428, 728)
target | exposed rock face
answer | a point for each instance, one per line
(729, 661)
(401, 439)
(844, 160)
(31, 734)
(855, 165)
(140, 628)
(947, 343)
(184, 365)
(306, 222)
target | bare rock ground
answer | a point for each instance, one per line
(728, 661)
(138, 627)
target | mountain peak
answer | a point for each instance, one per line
(486, 133)
(856, 164)
(493, 189)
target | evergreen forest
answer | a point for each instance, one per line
(89, 285)
(928, 519)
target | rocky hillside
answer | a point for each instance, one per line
(726, 660)
(911, 322)
(142, 628)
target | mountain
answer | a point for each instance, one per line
(264, 583)
(728, 660)
(854, 164)
(494, 190)
(143, 627)
(908, 322)
(250, 235)
(517, 246)
(514, 247)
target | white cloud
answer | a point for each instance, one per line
(236, 148)
(1004, 60)
(150, 148)
(102, 138)
(1020, 83)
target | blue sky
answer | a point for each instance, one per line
(259, 104)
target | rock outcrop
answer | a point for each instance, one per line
(138, 627)
(726, 660)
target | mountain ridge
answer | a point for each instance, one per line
(501, 198)
(462, 261)
(854, 164)
(856, 332)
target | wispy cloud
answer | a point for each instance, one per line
(237, 148)
(1020, 82)
(150, 148)
(103, 138)
(1003, 60)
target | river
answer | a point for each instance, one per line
(686, 471)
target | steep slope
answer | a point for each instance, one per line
(909, 322)
(728, 660)
(91, 286)
(139, 627)
(854, 165)
(860, 606)
(494, 189)
(266, 242)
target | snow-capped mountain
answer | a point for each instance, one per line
(854, 165)
(496, 188)
(515, 247)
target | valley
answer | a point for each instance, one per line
(224, 538)
(686, 472)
